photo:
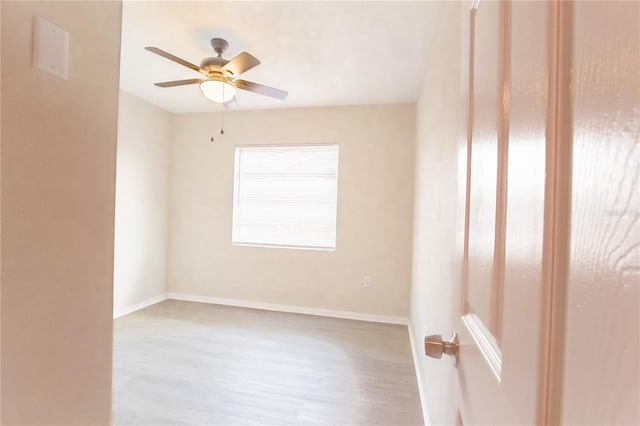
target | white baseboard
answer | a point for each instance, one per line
(117, 313)
(417, 351)
(290, 308)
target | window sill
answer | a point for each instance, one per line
(276, 246)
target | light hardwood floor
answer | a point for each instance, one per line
(179, 363)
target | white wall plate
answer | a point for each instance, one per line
(50, 48)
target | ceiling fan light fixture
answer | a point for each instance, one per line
(221, 75)
(217, 91)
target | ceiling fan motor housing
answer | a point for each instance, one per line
(213, 63)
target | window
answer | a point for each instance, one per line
(286, 196)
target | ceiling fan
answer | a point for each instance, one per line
(220, 82)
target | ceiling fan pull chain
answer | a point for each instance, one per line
(213, 113)
(222, 114)
(221, 120)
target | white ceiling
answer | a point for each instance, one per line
(322, 52)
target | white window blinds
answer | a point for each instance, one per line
(286, 196)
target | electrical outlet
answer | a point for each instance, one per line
(366, 281)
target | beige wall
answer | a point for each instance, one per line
(140, 264)
(58, 184)
(437, 223)
(374, 227)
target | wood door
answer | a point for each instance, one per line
(600, 378)
(550, 309)
(502, 364)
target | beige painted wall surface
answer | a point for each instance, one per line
(58, 186)
(142, 197)
(438, 225)
(375, 208)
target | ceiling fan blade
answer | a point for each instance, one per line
(179, 82)
(240, 63)
(174, 58)
(261, 89)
